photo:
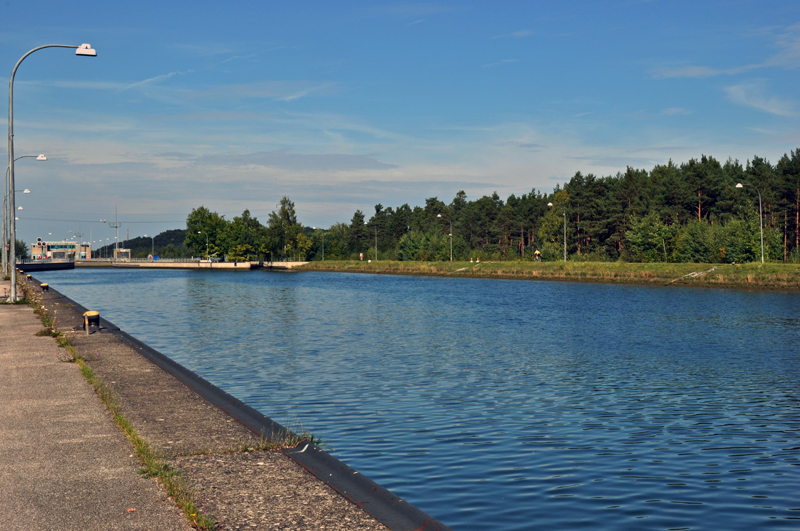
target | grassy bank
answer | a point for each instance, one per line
(771, 276)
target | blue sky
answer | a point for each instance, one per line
(342, 105)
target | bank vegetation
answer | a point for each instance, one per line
(757, 276)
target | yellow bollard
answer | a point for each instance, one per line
(45, 286)
(91, 318)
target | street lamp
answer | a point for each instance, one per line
(760, 216)
(376, 241)
(451, 235)
(207, 257)
(323, 242)
(563, 211)
(152, 245)
(6, 220)
(83, 49)
(80, 245)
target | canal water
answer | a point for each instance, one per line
(502, 405)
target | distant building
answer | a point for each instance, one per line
(123, 255)
(66, 250)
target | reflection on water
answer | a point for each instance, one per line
(503, 404)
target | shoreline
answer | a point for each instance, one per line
(751, 277)
(197, 426)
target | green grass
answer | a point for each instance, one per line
(778, 276)
(20, 301)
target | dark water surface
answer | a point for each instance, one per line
(502, 404)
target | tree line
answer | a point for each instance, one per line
(691, 212)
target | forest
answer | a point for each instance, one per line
(688, 212)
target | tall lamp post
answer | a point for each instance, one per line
(451, 235)
(83, 49)
(207, 257)
(5, 229)
(152, 245)
(564, 212)
(323, 242)
(6, 220)
(376, 241)
(80, 245)
(760, 215)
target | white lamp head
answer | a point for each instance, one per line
(549, 204)
(19, 208)
(438, 215)
(739, 185)
(41, 157)
(26, 191)
(86, 49)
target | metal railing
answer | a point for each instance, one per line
(171, 260)
(44, 261)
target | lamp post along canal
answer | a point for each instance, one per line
(323, 242)
(564, 212)
(207, 257)
(6, 220)
(451, 235)
(376, 241)
(83, 49)
(760, 215)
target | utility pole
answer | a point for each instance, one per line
(115, 225)
(80, 245)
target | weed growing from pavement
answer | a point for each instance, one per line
(20, 301)
(153, 465)
(296, 434)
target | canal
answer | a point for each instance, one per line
(502, 405)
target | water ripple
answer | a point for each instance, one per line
(501, 404)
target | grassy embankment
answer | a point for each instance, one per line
(772, 276)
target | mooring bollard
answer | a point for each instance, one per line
(28, 276)
(45, 286)
(91, 318)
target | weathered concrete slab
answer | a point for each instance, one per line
(64, 464)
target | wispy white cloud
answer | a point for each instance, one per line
(79, 84)
(788, 56)
(620, 161)
(284, 159)
(788, 44)
(276, 90)
(751, 94)
(700, 71)
(251, 55)
(156, 79)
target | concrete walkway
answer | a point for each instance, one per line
(64, 464)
